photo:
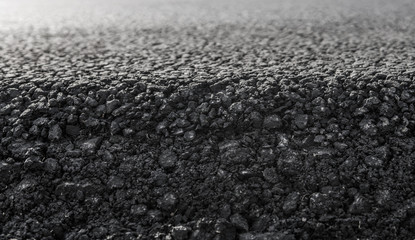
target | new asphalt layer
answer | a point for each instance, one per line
(247, 120)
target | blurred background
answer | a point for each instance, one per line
(149, 13)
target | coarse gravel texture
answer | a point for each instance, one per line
(248, 120)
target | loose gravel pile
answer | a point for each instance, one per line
(284, 130)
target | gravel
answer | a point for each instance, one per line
(283, 121)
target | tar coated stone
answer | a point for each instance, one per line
(239, 222)
(55, 133)
(112, 105)
(190, 135)
(167, 159)
(373, 161)
(139, 210)
(270, 175)
(301, 121)
(318, 203)
(180, 232)
(360, 205)
(272, 122)
(291, 202)
(115, 182)
(168, 201)
(91, 145)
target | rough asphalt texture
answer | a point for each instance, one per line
(246, 120)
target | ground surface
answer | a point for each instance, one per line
(220, 120)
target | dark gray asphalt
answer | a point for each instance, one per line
(207, 119)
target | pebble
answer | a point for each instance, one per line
(272, 122)
(360, 205)
(115, 182)
(112, 105)
(319, 203)
(180, 232)
(90, 146)
(239, 222)
(190, 135)
(55, 133)
(373, 161)
(270, 175)
(291, 202)
(236, 107)
(301, 121)
(168, 202)
(139, 210)
(51, 165)
(167, 159)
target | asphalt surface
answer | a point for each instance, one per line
(207, 120)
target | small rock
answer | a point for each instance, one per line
(283, 141)
(236, 107)
(289, 163)
(51, 165)
(139, 210)
(340, 146)
(231, 151)
(26, 113)
(368, 127)
(239, 222)
(99, 232)
(182, 123)
(168, 201)
(115, 127)
(322, 152)
(41, 121)
(291, 202)
(359, 205)
(91, 102)
(301, 121)
(190, 135)
(387, 110)
(261, 223)
(319, 138)
(225, 211)
(33, 163)
(13, 92)
(256, 119)
(19, 148)
(91, 122)
(115, 182)
(318, 202)
(34, 130)
(383, 197)
(55, 133)
(66, 189)
(90, 146)
(6, 110)
(383, 153)
(270, 175)
(373, 161)
(272, 122)
(5, 172)
(167, 159)
(128, 132)
(161, 127)
(372, 101)
(180, 232)
(112, 105)
(224, 230)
